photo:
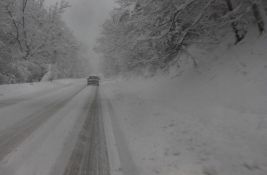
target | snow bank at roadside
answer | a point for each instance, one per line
(209, 121)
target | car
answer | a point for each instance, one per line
(93, 80)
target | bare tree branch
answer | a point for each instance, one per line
(195, 22)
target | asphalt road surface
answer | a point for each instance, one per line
(60, 131)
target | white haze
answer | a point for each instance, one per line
(85, 18)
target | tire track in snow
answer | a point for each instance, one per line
(89, 156)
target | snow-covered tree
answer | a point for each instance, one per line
(153, 34)
(32, 36)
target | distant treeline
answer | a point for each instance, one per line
(152, 35)
(32, 36)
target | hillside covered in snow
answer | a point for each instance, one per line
(205, 121)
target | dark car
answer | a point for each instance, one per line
(93, 80)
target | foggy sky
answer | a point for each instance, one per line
(84, 17)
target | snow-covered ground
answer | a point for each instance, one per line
(209, 121)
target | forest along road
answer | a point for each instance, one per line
(58, 132)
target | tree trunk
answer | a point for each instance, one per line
(49, 74)
(12, 18)
(259, 14)
(239, 36)
(28, 50)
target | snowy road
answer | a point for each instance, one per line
(53, 132)
(17, 99)
(90, 153)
